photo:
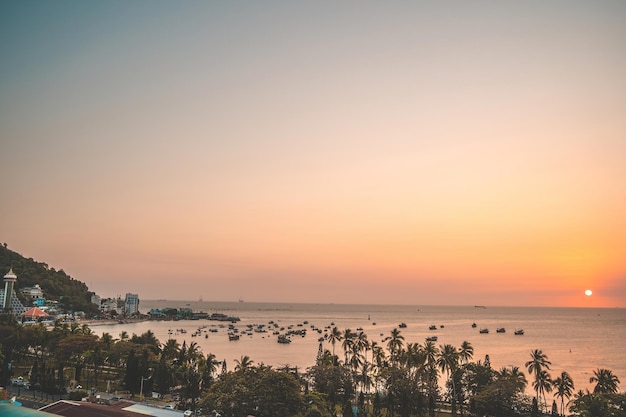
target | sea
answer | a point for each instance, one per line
(575, 340)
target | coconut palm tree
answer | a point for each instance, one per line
(542, 384)
(564, 386)
(448, 362)
(414, 357)
(606, 381)
(362, 344)
(208, 368)
(395, 344)
(335, 336)
(244, 363)
(538, 361)
(347, 344)
(171, 349)
(466, 353)
(513, 375)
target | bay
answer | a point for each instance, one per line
(576, 340)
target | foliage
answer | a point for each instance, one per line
(72, 294)
(589, 404)
(259, 391)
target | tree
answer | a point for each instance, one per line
(260, 391)
(333, 381)
(334, 337)
(395, 343)
(542, 384)
(466, 353)
(606, 381)
(448, 362)
(243, 364)
(564, 386)
(538, 362)
(588, 404)
(132, 375)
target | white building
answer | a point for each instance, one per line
(34, 293)
(131, 304)
(112, 304)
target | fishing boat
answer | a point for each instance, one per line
(483, 331)
(519, 332)
(500, 330)
(431, 339)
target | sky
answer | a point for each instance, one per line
(454, 153)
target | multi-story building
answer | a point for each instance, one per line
(131, 304)
(34, 293)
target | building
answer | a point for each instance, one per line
(108, 305)
(10, 302)
(34, 293)
(95, 299)
(131, 304)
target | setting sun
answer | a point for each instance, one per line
(588, 292)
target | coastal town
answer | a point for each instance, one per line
(46, 311)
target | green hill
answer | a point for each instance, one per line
(72, 294)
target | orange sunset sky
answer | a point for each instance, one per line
(330, 152)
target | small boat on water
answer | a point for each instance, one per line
(500, 330)
(519, 332)
(474, 325)
(402, 325)
(432, 327)
(431, 339)
(483, 331)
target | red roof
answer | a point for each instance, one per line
(34, 313)
(86, 409)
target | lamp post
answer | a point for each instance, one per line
(141, 389)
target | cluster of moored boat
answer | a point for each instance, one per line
(284, 334)
(517, 332)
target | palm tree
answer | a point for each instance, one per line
(564, 386)
(107, 340)
(542, 384)
(414, 357)
(448, 361)
(244, 363)
(467, 352)
(606, 381)
(171, 349)
(362, 344)
(334, 337)
(513, 375)
(348, 343)
(538, 361)
(395, 344)
(379, 361)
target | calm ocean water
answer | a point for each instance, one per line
(576, 340)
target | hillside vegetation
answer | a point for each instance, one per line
(72, 294)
